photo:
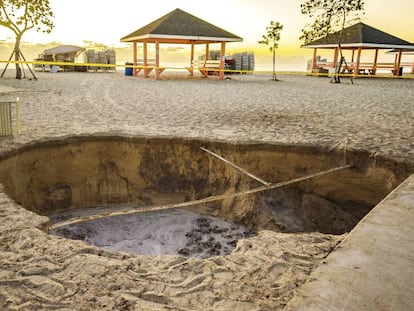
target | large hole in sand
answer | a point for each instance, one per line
(75, 176)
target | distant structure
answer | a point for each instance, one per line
(107, 57)
(76, 54)
(244, 61)
(357, 38)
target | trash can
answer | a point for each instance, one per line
(54, 69)
(400, 71)
(128, 70)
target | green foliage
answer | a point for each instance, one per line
(329, 16)
(271, 38)
(272, 35)
(22, 15)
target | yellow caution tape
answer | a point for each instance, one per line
(265, 72)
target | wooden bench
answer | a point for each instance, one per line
(205, 67)
(148, 68)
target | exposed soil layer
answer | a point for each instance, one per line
(58, 175)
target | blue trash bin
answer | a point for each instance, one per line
(128, 70)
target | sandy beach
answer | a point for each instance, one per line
(371, 114)
(46, 272)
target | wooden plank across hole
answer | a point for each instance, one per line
(199, 201)
(240, 169)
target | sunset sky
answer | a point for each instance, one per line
(106, 22)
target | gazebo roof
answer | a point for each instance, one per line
(63, 49)
(361, 35)
(180, 27)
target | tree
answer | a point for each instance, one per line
(330, 16)
(272, 38)
(22, 15)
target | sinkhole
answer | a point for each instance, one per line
(78, 176)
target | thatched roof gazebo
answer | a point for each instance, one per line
(360, 37)
(177, 27)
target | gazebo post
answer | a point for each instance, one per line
(412, 68)
(335, 59)
(192, 60)
(397, 62)
(205, 72)
(358, 61)
(157, 60)
(315, 50)
(134, 62)
(222, 60)
(374, 68)
(207, 53)
(145, 60)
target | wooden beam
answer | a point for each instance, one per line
(197, 202)
(358, 62)
(374, 68)
(205, 72)
(412, 68)
(335, 59)
(145, 56)
(135, 70)
(192, 59)
(157, 60)
(222, 60)
(240, 169)
(315, 50)
(207, 53)
(397, 62)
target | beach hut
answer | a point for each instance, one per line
(62, 53)
(179, 27)
(357, 38)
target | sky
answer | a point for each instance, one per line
(82, 21)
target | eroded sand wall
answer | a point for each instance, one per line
(55, 175)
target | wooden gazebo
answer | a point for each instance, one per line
(177, 27)
(360, 37)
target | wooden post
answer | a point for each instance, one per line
(358, 61)
(207, 53)
(240, 169)
(397, 62)
(222, 60)
(135, 70)
(145, 60)
(374, 68)
(412, 68)
(157, 60)
(204, 72)
(314, 64)
(192, 59)
(335, 59)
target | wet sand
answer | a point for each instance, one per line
(170, 232)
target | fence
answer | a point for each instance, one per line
(10, 118)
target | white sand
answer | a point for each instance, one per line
(40, 271)
(371, 114)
